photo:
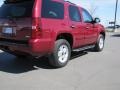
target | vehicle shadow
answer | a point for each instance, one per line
(78, 54)
(11, 64)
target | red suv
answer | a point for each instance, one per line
(48, 27)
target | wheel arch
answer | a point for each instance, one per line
(103, 33)
(66, 36)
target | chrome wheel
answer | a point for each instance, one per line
(63, 53)
(101, 43)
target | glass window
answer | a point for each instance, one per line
(74, 13)
(52, 9)
(11, 9)
(86, 16)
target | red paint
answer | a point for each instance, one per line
(43, 32)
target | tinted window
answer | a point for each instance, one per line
(16, 9)
(52, 9)
(74, 13)
(86, 16)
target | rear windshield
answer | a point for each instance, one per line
(17, 9)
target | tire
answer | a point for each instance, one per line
(99, 46)
(61, 54)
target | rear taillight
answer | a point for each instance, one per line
(36, 28)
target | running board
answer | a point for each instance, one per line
(84, 48)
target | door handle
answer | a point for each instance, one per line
(72, 26)
(87, 27)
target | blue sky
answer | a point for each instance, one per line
(104, 9)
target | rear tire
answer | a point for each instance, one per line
(100, 43)
(61, 54)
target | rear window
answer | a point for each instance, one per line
(16, 8)
(52, 9)
(74, 13)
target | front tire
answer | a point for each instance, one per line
(61, 54)
(100, 43)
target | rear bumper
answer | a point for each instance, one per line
(3, 43)
(34, 47)
(41, 45)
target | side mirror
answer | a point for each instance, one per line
(96, 20)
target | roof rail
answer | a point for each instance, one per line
(69, 2)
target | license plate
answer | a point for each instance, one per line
(8, 30)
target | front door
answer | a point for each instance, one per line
(89, 28)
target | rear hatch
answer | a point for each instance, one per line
(16, 20)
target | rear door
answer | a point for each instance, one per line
(89, 27)
(75, 24)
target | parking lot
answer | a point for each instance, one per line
(85, 71)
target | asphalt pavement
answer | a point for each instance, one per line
(85, 71)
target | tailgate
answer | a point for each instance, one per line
(16, 20)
